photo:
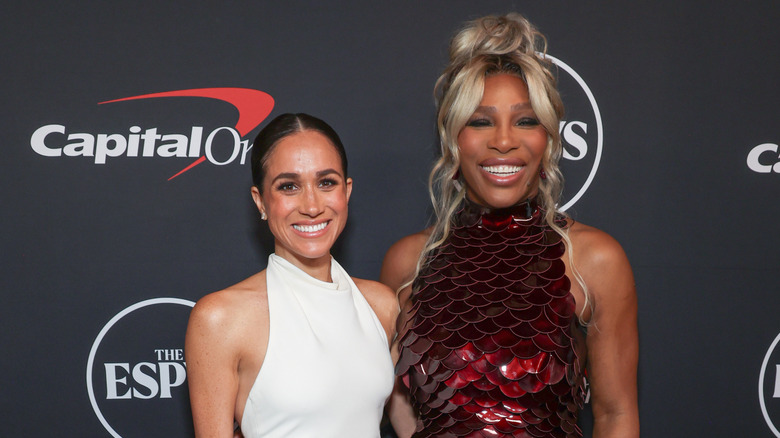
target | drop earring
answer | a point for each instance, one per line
(542, 175)
(263, 216)
(456, 180)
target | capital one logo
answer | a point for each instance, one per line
(769, 387)
(764, 158)
(582, 134)
(136, 369)
(221, 146)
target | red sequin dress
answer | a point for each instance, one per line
(490, 347)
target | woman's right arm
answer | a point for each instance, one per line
(211, 354)
(397, 269)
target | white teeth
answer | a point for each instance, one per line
(502, 170)
(310, 228)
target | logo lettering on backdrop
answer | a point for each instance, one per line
(769, 387)
(582, 134)
(253, 107)
(764, 158)
(136, 369)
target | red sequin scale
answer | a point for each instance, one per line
(489, 349)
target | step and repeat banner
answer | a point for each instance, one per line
(126, 134)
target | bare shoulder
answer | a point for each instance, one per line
(398, 269)
(401, 259)
(382, 300)
(601, 261)
(592, 245)
(375, 291)
(226, 312)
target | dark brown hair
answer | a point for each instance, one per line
(281, 127)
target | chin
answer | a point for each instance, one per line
(304, 251)
(314, 253)
(501, 197)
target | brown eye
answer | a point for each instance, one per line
(528, 121)
(328, 183)
(477, 123)
(286, 187)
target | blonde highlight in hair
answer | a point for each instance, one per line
(488, 46)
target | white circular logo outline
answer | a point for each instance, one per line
(761, 386)
(96, 344)
(599, 128)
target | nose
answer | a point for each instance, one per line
(503, 139)
(311, 202)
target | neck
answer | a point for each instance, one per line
(318, 267)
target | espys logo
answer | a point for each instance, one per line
(582, 134)
(136, 369)
(769, 387)
(55, 140)
(764, 158)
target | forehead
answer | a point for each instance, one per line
(505, 86)
(303, 151)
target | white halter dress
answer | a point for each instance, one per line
(327, 371)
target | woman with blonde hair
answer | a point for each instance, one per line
(505, 300)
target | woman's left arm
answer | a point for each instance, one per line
(612, 340)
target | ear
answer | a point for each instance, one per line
(348, 183)
(258, 198)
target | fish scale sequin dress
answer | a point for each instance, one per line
(489, 348)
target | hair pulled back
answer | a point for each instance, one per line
(281, 127)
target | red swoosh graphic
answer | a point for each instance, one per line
(253, 107)
(195, 163)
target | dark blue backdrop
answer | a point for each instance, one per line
(685, 92)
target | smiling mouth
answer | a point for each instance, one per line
(502, 170)
(311, 228)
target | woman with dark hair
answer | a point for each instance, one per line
(299, 349)
(505, 301)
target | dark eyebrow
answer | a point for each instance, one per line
(294, 176)
(288, 175)
(325, 172)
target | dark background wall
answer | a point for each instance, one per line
(685, 91)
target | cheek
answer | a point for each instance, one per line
(539, 143)
(470, 149)
(467, 144)
(278, 207)
(338, 202)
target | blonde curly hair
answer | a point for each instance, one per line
(488, 46)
